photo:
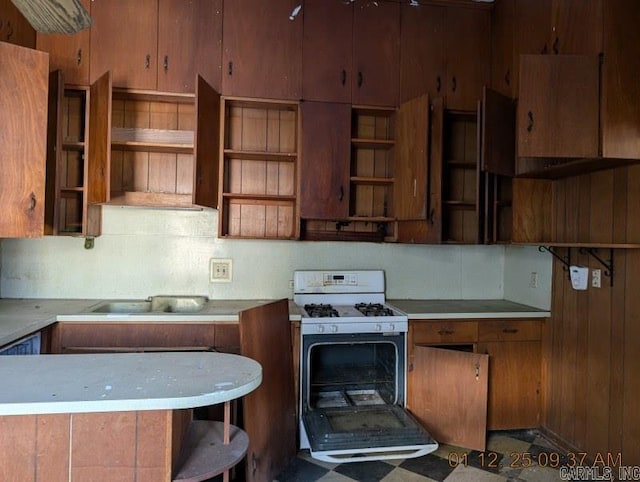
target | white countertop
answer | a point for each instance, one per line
(44, 384)
(466, 309)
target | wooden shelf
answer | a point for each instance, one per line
(460, 204)
(373, 143)
(261, 155)
(73, 146)
(371, 219)
(205, 454)
(372, 180)
(153, 199)
(258, 197)
(581, 245)
(153, 96)
(154, 140)
(72, 189)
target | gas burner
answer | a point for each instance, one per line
(373, 309)
(321, 310)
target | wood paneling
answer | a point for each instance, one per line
(590, 358)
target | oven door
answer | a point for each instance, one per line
(352, 399)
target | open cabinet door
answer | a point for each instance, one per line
(450, 395)
(206, 157)
(54, 142)
(269, 411)
(498, 127)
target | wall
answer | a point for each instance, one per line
(519, 264)
(144, 252)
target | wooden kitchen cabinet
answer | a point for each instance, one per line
(14, 28)
(324, 165)
(69, 53)
(150, 45)
(351, 52)
(69, 178)
(23, 115)
(364, 180)
(259, 169)
(189, 44)
(499, 381)
(447, 53)
(515, 370)
(559, 100)
(274, 70)
(96, 337)
(154, 148)
(620, 110)
(525, 27)
(124, 38)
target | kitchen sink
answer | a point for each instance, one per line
(154, 304)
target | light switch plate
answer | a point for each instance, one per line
(220, 270)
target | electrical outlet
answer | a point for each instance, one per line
(596, 278)
(220, 270)
(533, 280)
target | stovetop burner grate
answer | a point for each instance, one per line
(374, 309)
(321, 310)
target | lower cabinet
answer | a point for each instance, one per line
(468, 376)
(96, 337)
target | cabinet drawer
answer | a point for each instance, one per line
(509, 330)
(444, 332)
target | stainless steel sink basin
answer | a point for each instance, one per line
(140, 306)
(178, 304)
(154, 304)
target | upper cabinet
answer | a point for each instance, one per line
(558, 107)
(14, 28)
(23, 115)
(262, 49)
(523, 27)
(351, 52)
(156, 45)
(124, 41)
(620, 86)
(68, 53)
(445, 53)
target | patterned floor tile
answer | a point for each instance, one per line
(430, 466)
(365, 471)
(402, 475)
(467, 474)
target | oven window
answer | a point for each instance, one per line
(352, 374)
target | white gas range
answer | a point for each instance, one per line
(345, 302)
(353, 370)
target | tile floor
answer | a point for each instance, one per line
(503, 461)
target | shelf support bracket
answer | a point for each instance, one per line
(608, 264)
(566, 261)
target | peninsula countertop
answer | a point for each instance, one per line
(47, 384)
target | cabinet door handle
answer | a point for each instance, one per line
(438, 83)
(432, 216)
(477, 371)
(343, 77)
(147, 61)
(507, 77)
(555, 45)
(165, 64)
(415, 187)
(230, 68)
(530, 124)
(79, 57)
(510, 330)
(445, 332)
(32, 201)
(360, 79)
(9, 30)
(454, 84)
(545, 50)
(341, 196)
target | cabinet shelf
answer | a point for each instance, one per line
(73, 146)
(155, 140)
(460, 204)
(260, 155)
(72, 189)
(372, 219)
(153, 96)
(258, 198)
(372, 143)
(372, 180)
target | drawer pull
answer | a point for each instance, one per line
(445, 332)
(510, 330)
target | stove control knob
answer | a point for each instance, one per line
(392, 327)
(334, 328)
(320, 328)
(378, 327)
